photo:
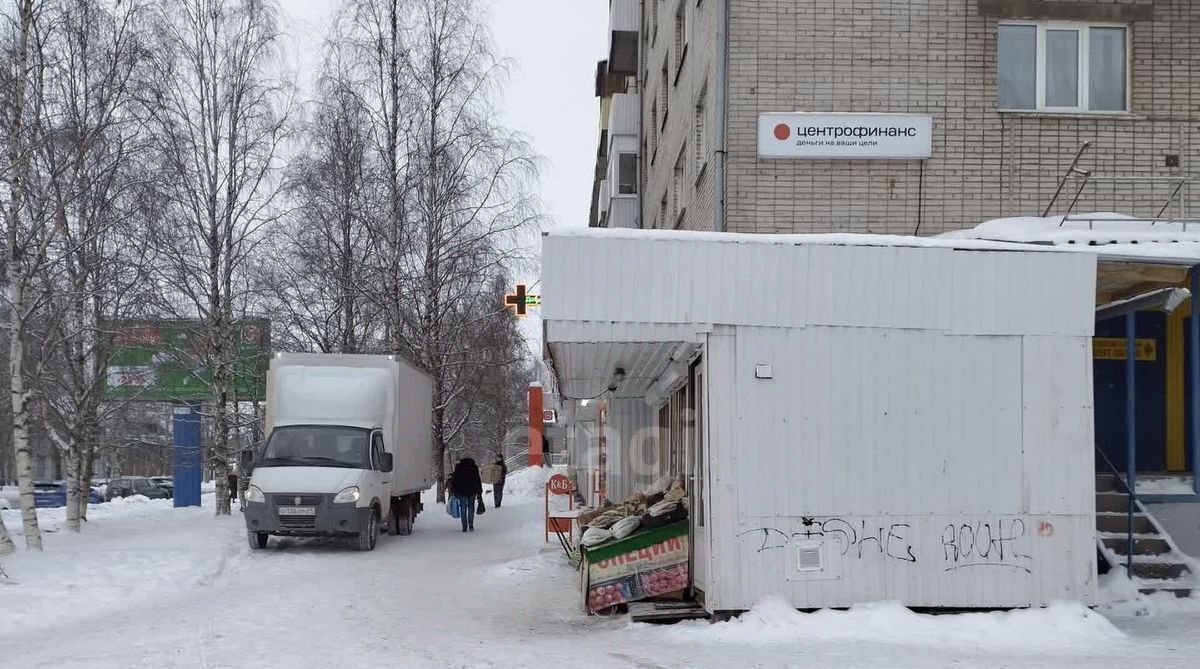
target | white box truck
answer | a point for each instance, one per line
(346, 450)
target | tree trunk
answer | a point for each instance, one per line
(439, 435)
(18, 157)
(7, 547)
(89, 470)
(22, 449)
(221, 450)
(74, 471)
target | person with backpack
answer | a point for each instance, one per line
(467, 487)
(498, 486)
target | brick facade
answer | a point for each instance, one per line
(935, 57)
(691, 93)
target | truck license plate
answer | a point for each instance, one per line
(297, 510)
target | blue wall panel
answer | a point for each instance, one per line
(1151, 396)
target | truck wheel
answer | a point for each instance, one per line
(258, 539)
(393, 519)
(405, 516)
(370, 534)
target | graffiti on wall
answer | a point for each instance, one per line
(995, 543)
(999, 542)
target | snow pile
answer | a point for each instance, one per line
(1119, 596)
(774, 620)
(1115, 586)
(1165, 485)
(55, 518)
(132, 552)
(527, 485)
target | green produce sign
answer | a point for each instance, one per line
(164, 360)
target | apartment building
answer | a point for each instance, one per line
(895, 116)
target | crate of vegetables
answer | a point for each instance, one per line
(646, 564)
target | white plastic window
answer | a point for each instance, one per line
(1062, 67)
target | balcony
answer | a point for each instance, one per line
(623, 212)
(623, 20)
(623, 115)
(608, 83)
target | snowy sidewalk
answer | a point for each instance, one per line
(179, 588)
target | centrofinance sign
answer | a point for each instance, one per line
(838, 135)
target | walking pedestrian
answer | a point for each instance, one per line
(498, 486)
(233, 488)
(467, 487)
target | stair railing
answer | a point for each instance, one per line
(1131, 495)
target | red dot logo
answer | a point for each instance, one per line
(782, 131)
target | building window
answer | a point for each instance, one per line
(700, 133)
(679, 189)
(666, 88)
(681, 36)
(627, 177)
(642, 162)
(1062, 67)
(653, 131)
(654, 21)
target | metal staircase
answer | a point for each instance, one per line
(1155, 563)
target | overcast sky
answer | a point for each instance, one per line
(550, 95)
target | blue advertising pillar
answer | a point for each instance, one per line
(189, 466)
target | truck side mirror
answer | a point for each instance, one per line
(246, 459)
(386, 465)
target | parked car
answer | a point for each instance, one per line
(54, 493)
(127, 486)
(166, 483)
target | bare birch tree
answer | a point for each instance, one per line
(453, 197)
(219, 119)
(328, 256)
(100, 258)
(28, 232)
(472, 198)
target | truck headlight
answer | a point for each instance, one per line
(255, 494)
(347, 496)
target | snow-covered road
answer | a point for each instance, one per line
(178, 588)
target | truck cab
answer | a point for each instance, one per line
(324, 480)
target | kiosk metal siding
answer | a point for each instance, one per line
(659, 280)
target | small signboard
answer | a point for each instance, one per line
(1113, 348)
(549, 417)
(520, 301)
(559, 485)
(843, 135)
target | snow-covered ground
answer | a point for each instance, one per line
(146, 583)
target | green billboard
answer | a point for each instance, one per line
(165, 360)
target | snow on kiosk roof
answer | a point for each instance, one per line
(883, 417)
(1136, 256)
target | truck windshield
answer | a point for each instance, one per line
(317, 446)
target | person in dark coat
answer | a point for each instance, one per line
(467, 487)
(498, 486)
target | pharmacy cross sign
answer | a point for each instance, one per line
(520, 301)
